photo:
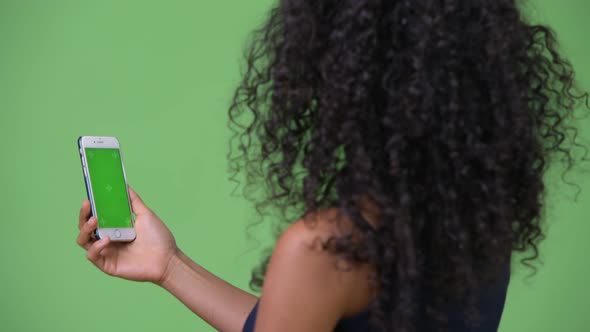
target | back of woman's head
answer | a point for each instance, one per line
(443, 113)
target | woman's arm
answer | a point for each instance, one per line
(153, 256)
(220, 304)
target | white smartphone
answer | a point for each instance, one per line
(106, 186)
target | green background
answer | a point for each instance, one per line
(159, 76)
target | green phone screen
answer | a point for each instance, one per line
(108, 188)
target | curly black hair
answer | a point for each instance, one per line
(445, 114)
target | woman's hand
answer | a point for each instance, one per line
(144, 259)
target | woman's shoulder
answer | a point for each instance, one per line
(302, 273)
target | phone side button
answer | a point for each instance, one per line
(117, 233)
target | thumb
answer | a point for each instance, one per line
(137, 203)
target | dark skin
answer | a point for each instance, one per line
(303, 290)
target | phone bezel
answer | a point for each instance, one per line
(105, 142)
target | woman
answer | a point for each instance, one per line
(404, 143)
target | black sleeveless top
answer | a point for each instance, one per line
(489, 307)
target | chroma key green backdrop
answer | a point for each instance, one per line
(159, 75)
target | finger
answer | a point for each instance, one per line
(93, 253)
(85, 236)
(137, 204)
(84, 213)
(109, 250)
